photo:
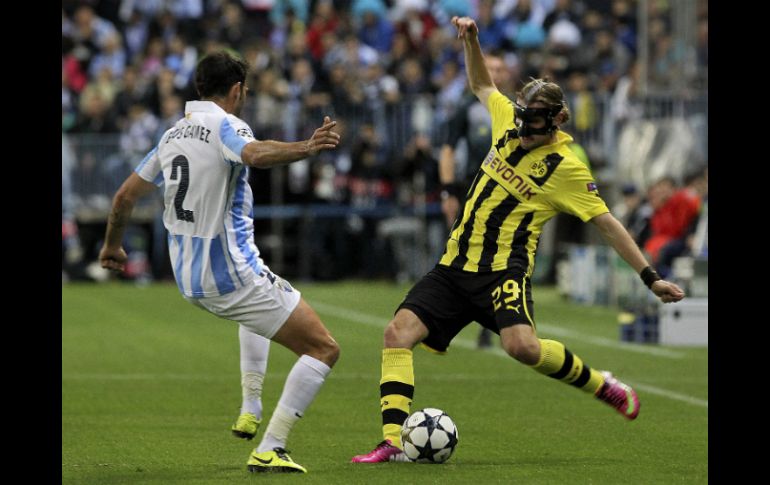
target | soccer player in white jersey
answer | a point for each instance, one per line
(203, 164)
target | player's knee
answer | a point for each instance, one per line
(401, 333)
(332, 351)
(392, 335)
(524, 350)
(326, 350)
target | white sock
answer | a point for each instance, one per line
(254, 352)
(302, 385)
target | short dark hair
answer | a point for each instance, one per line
(216, 73)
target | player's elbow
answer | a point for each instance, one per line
(480, 82)
(479, 87)
(254, 157)
(124, 196)
(251, 158)
(123, 201)
(255, 161)
(605, 222)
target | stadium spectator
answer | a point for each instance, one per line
(152, 62)
(112, 57)
(95, 115)
(674, 224)
(582, 103)
(698, 241)
(624, 22)
(136, 33)
(624, 105)
(164, 26)
(375, 29)
(633, 212)
(203, 163)
(663, 223)
(231, 26)
(88, 29)
(449, 85)
(524, 26)
(491, 29)
(529, 175)
(609, 60)
(68, 103)
(139, 134)
(74, 76)
(324, 20)
(417, 85)
(414, 20)
(563, 10)
(131, 91)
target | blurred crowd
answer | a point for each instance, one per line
(669, 220)
(391, 72)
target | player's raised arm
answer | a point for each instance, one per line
(479, 79)
(269, 153)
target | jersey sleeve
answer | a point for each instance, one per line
(149, 168)
(501, 110)
(576, 194)
(234, 134)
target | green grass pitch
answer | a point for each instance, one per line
(150, 387)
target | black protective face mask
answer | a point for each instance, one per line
(531, 115)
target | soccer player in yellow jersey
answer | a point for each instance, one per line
(528, 176)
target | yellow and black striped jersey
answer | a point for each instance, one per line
(514, 193)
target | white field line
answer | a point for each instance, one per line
(380, 322)
(670, 394)
(279, 376)
(353, 376)
(373, 320)
(606, 342)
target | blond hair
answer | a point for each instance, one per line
(546, 92)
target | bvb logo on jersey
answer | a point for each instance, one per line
(538, 168)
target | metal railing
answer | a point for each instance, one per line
(94, 166)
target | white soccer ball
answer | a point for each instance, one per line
(429, 436)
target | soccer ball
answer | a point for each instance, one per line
(429, 436)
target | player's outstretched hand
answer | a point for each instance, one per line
(464, 24)
(667, 292)
(113, 259)
(324, 138)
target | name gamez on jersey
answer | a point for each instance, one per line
(190, 131)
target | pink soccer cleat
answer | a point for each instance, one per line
(385, 451)
(619, 396)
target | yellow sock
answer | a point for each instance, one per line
(396, 391)
(558, 362)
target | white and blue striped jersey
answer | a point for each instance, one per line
(208, 201)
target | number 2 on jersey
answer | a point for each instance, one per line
(180, 162)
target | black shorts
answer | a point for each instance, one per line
(448, 299)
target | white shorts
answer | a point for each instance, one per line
(262, 306)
